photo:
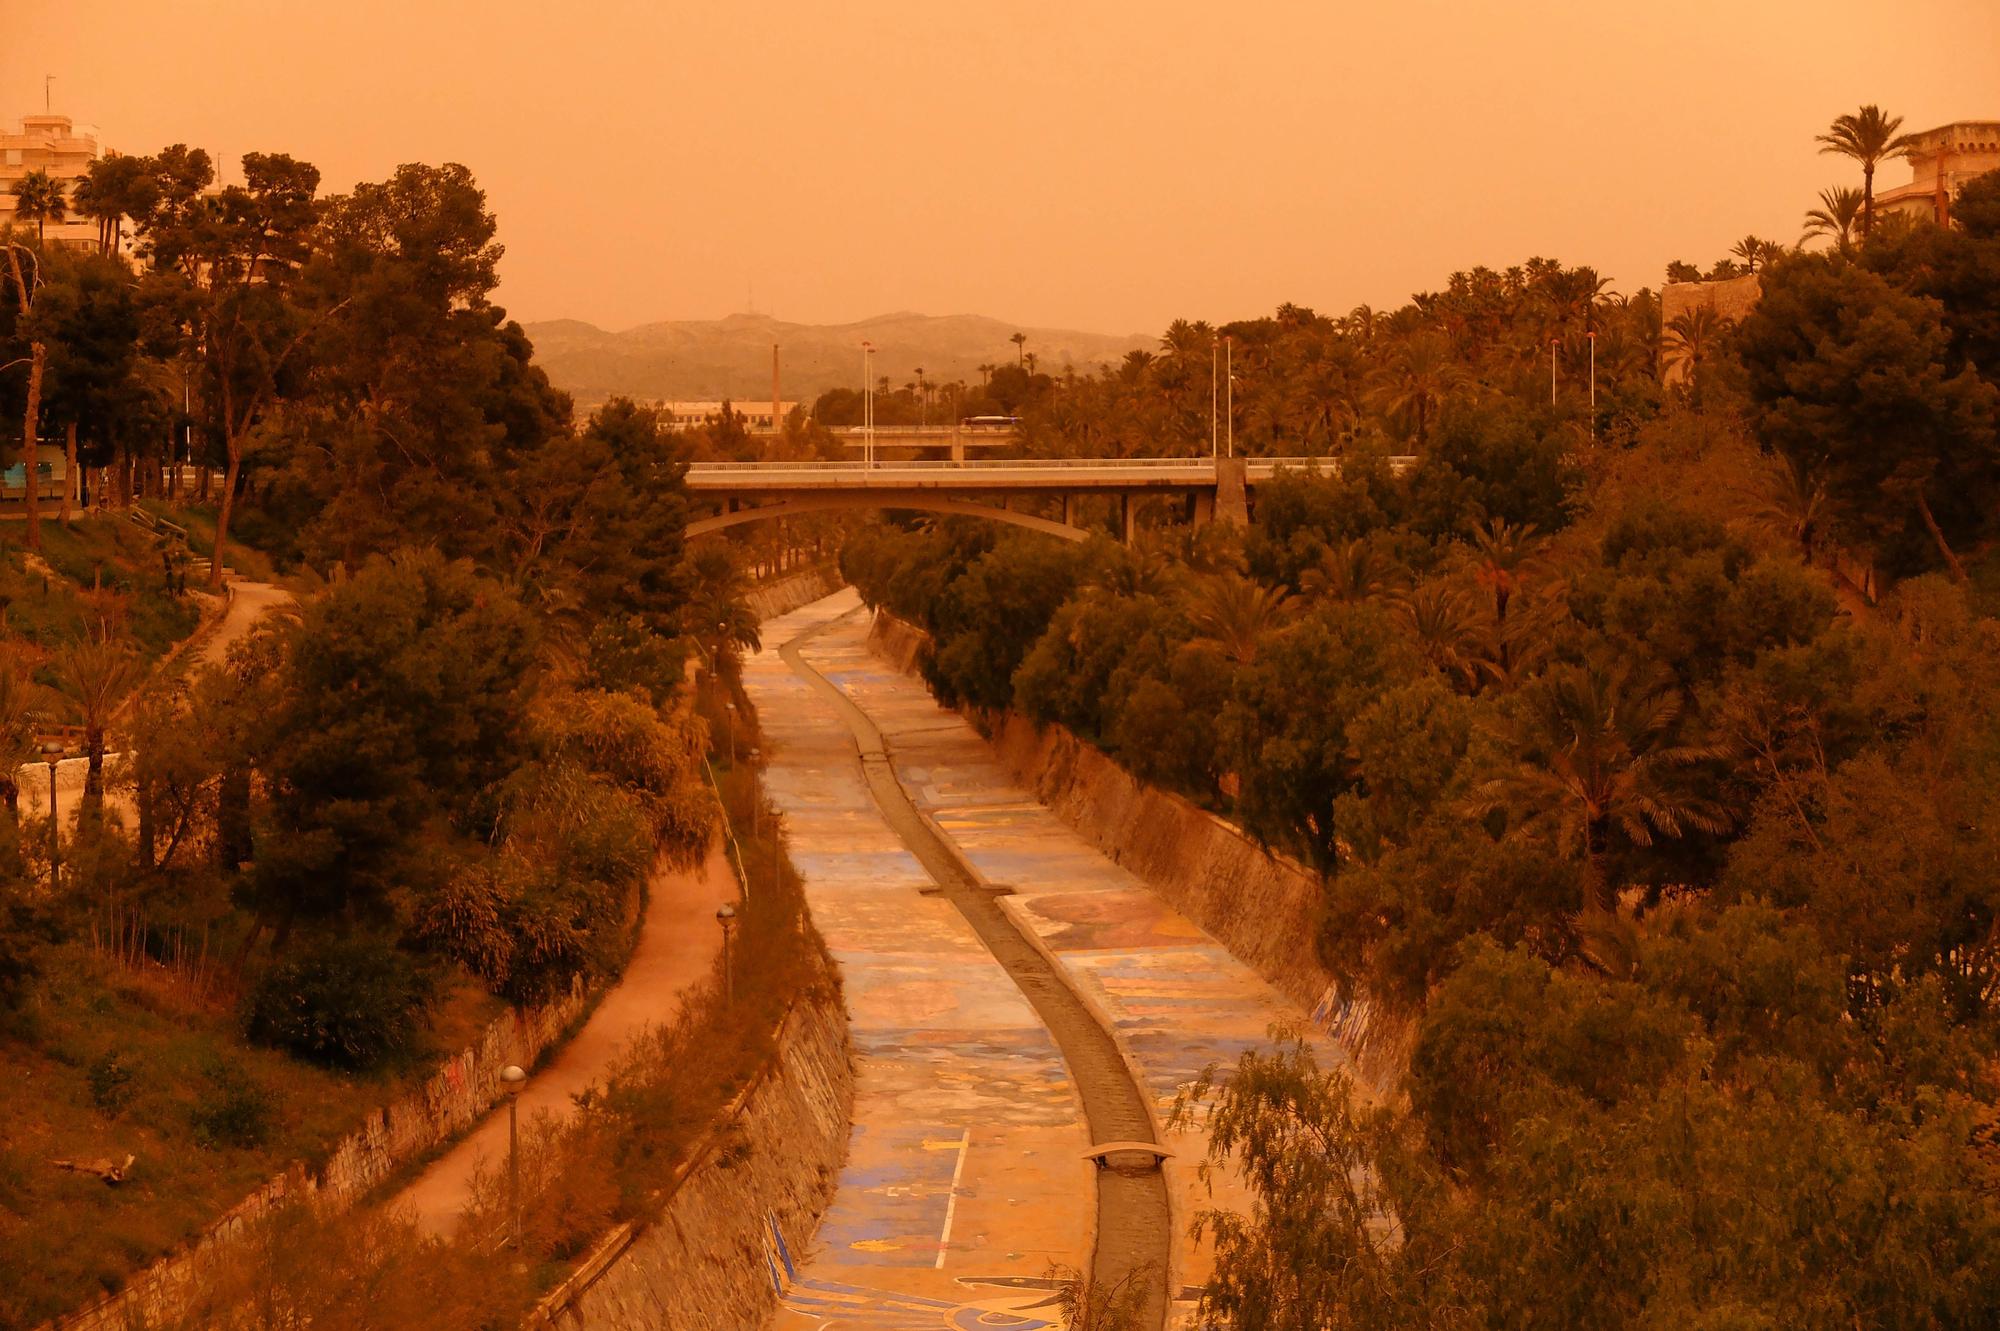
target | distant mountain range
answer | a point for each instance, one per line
(713, 359)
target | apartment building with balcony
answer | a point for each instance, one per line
(55, 144)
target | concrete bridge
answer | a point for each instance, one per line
(1213, 488)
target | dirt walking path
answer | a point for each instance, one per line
(249, 602)
(677, 947)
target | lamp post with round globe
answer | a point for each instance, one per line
(513, 1078)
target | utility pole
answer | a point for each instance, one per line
(868, 404)
(1593, 383)
(1214, 435)
(48, 101)
(1229, 380)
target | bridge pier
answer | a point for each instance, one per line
(1232, 491)
(1071, 503)
(1127, 516)
(1201, 508)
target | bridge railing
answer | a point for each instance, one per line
(1259, 465)
(947, 464)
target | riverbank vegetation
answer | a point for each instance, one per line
(1646, 754)
(433, 786)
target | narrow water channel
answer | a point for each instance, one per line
(1134, 1233)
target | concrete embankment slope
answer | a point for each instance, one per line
(744, 1203)
(1263, 908)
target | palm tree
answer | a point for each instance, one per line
(1236, 613)
(1504, 556)
(1690, 340)
(1020, 341)
(1355, 571)
(1869, 137)
(1419, 372)
(1836, 217)
(94, 675)
(1756, 252)
(1794, 503)
(716, 616)
(1448, 629)
(1599, 764)
(39, 198)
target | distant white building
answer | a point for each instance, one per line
(1941, 161)
(756, 415)
(54, 144)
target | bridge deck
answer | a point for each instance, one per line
(973, 475)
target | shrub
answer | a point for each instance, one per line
(233, 1110)
(346, 1002)
(110, 1080)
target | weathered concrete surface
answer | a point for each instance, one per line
(1176, 998)
(1262, 906)
(677, 945)
(715, 1256)
(965, 1180)
(784, 595)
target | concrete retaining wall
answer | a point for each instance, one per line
(1263, 907)
(786, 594)
(768, 1170)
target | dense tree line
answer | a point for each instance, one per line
(1670, 834)
(471, 743)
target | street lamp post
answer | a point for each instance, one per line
(725, 915)
(1229, 388)
(1214, 435)
(53, 754)
(1593, 383)
(868, 402)
(513, 1078)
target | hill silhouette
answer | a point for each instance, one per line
(731, 358)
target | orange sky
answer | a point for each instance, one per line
(1103, 164)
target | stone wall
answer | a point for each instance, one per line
(765, 1175)
(1731, 298)
(897, 641)
(1263, 907)
(462, 1089)
(783, 595)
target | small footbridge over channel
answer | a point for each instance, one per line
(1023, 492)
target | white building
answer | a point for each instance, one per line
(50, 143)
(757, 416)
(1941, 161)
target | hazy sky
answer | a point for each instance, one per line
(1101, 164)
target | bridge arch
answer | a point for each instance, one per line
(921, 501)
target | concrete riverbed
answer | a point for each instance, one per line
(966, 1186)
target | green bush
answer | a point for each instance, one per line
(346, 1002)
(110, 1080)
(233, 1111)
